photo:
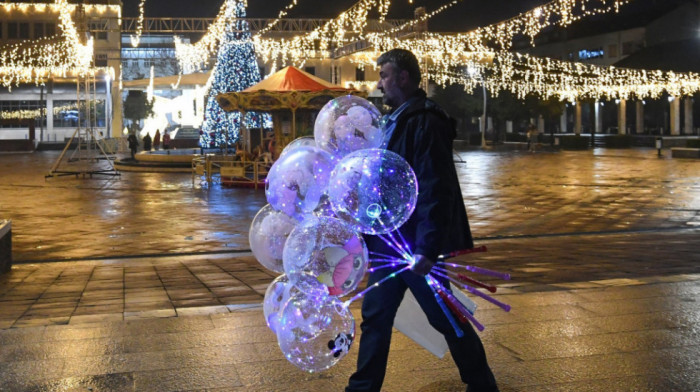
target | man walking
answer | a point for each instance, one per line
(421, 132)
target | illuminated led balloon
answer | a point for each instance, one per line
(315, 332)
(346, 124)
(297, 180)
(282, 289)
(329, 249)
(376, 187)
(304, 141)
(267, 235)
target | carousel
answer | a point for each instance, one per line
(293, 98)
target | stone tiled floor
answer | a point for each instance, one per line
(155, 290)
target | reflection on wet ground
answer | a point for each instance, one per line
(507, 194)
(160, 294)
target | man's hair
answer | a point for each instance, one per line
(404, 60)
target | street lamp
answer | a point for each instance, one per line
(474, 74)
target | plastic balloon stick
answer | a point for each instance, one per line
(467, 279)
(384, 279)
(475, 282)
(403, 242)
(458, 308)
(476, 292)
(448, 314)
(478, 270)
(404, 251)
(388, 265)
(456, 253)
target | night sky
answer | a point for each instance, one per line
(464, 16)
(461, 17)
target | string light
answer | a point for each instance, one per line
(281, 15)
(35, 61)
(136, 39)
(446, 52)
(524, 74)
(36, 113)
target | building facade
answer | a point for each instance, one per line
(58, 97)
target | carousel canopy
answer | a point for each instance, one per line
(289, 89)
(293, 79)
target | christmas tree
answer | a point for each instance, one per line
(236, 69)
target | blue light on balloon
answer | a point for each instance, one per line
(375, 187)
(374, 210)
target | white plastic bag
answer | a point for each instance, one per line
(412, 322)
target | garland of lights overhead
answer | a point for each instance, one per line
(524, 74)
(521, 74)
(311, 45)
(34, 61)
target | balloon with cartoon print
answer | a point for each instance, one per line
(346, 124)
(315, 332)
(329, 249)
(281, 290)
(297, 181)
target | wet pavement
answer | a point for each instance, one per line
(144, 282)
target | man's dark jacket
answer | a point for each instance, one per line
(423, 136)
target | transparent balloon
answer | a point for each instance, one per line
(304, 141)
(329, 249)
(376, 187)
(282, 289)
(297, 180)
(346, 124)
(315, 332)
(267, 235)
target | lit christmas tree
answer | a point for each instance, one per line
(236, 69)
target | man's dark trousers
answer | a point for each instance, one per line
(379, 308)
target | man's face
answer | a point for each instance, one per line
(390, 85)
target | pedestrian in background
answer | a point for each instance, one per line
(532, 133)
(133, 144)
(147, 142)
(422, 133)
(156, 140)
(166, 140)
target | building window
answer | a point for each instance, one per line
(335, 74)
(98, 29)
(38, 30)
(612, 50)
(587, 54)
(24, 30)
(310, 70)
(50, 29)
(66, 113)
(15, 109)
(12, 30)
(359, 74)
(101, 60)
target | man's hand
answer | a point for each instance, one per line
(423, 265)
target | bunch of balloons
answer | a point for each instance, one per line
(323, 194)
